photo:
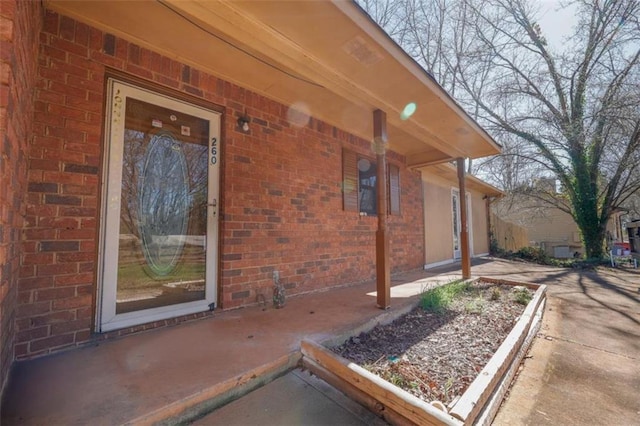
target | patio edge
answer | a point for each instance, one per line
(203, 402)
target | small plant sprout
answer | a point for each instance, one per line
(496, 293)
(521, 295)
(475, 306)
(448, 385)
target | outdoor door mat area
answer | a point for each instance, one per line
(478, 404)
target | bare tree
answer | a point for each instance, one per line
(571, 112)
(437, 34)
(388, 14)
(577, 110)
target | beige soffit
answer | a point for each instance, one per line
(326, 58)
(449, 172)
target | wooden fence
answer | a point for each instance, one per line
(509, 236)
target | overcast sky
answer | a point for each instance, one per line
(555, 22)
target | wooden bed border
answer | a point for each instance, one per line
(478, 405)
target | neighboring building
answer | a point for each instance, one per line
(554, 231)
(633, 236)
(550, 228)
(160, 160)
(617, 226)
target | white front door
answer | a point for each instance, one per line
(470, 224)
(457, 226)
(160, 228)
(455, 211)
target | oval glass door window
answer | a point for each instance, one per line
(162, 220)
(164, 204)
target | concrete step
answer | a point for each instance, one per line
(297, 398)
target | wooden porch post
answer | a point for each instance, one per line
(383, 274)
(464, 232)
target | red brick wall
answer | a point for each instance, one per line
(281, 203)
(20, 24)
(283, 211)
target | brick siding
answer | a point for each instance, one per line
(20, 24)
(281, 191)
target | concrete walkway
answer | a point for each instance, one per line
(297, 398)
(583, 370)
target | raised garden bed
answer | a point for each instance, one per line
(429, 359)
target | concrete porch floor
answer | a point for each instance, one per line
(135, 378)
(582, 368)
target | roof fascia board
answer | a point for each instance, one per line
(448, 171)
(361, 18)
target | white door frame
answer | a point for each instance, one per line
(455, 193)
(107, 319)
(455, 223)
(470, 224)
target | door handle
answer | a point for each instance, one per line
(213, 204)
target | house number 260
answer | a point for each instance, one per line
(214, 150)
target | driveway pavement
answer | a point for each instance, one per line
(584, 366)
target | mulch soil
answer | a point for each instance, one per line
(436, 356)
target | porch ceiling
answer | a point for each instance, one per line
(450, 172)
(327, 57)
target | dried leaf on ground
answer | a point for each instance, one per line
(436, 356)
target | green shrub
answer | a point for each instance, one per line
(538, 255)
(494, 247)
(590, 263)
(533, 254)
(439, 298)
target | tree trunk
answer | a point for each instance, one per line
(591, 224)
(593, 239)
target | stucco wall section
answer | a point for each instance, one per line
(438, 223)
(479, 218)
(438, 219)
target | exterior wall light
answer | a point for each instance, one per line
(243, 123)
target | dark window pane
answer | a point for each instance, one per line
(367, 186)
